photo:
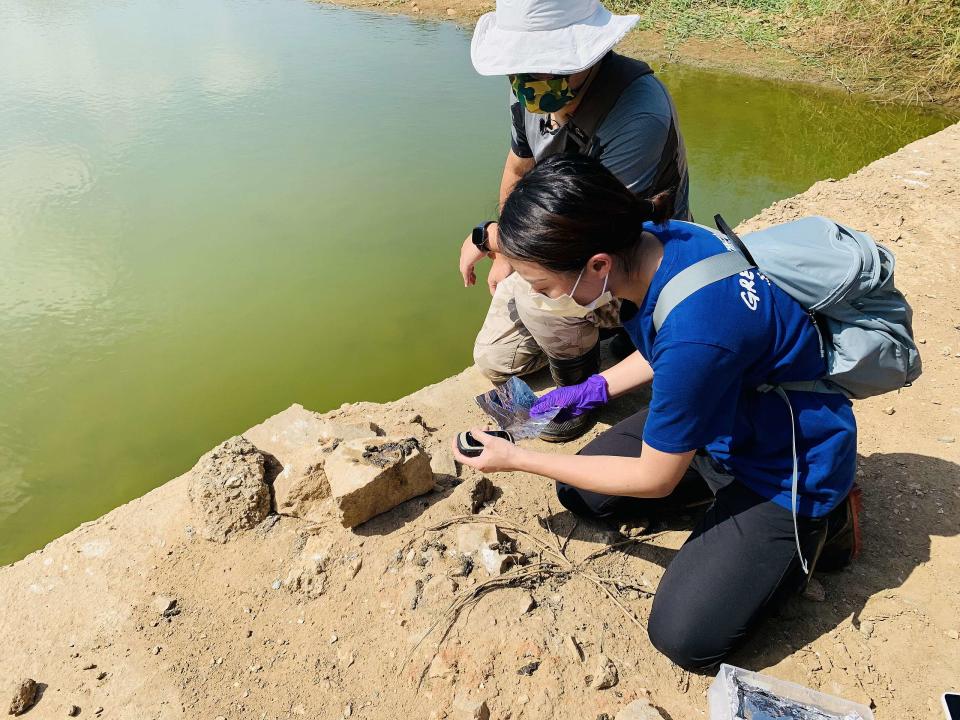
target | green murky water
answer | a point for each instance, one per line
(212, 209)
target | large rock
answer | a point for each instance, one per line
(228, 490)
(369, 477)
(295, 429)
(301, 487)
(301, 440)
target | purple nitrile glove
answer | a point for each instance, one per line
(574, 399)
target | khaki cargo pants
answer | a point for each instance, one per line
(516, 337)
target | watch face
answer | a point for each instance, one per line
(478, 237)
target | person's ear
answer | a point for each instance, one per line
(601, 263)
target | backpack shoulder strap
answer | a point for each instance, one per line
(614, 75)
(693, 278)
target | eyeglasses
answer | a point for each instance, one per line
(535, 76)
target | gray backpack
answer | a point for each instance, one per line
(843, 279)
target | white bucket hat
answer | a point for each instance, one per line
(556, 37)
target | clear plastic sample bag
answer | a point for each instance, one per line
(509, 405)
(738, 694)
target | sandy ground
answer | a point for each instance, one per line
(79, 615)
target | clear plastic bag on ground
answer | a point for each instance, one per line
(509, 405)
(738, 694)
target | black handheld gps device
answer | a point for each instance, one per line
(468, 445)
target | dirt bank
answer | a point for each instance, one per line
(809, 44)
(135, 615)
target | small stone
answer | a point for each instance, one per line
(333, 638)
(353, 567)
(947, 439)
(410, 597)
(98, 711)
(155, 650)
(524, 603)
(441, 668)
(604, 675)
(953, 634)
(345, 658)
(439, 590)
(101, 675)
(73, 710)
(348, 710)
(276, 584)
(165, 606)
(890, 410)
(529, 669)
(90, 666)
(24, 696)
(639, 710)
(573, 648)
(866, 628)
(464, 568)
(451, 12)
(465, 708)
(634, 529)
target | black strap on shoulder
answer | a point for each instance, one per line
(614, 75)
(733, 238)
(578, 135)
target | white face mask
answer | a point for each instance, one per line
(566, 306)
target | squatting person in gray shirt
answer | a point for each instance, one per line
(569, 92)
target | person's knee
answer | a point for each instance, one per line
(688, 642)
(572, 499)
(495, 374)
(499, 364)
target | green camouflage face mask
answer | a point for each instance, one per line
(542, 95)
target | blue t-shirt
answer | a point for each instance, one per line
(712, 352)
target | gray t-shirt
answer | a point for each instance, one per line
(632, 137)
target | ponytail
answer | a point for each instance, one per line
(570, 207)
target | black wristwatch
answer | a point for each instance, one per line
(480, 236)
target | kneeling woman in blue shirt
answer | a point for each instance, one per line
(575, 234)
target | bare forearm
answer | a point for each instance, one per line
(628, 374)
(606, 474)
(513, 169)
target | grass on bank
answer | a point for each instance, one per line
(905, 50)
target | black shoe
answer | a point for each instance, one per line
(572, 371)
(843, 541)
(622, 346)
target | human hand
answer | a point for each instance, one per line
(470, 255)
(574, 400)
(499, 271)
(498, 455)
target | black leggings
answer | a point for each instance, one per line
(739, 561)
